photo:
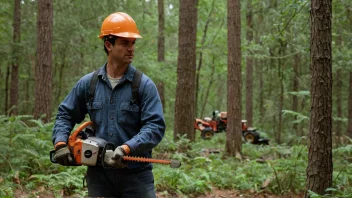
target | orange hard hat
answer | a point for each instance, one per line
(119, 24)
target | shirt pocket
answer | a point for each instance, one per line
(96, 112)
(129, 113)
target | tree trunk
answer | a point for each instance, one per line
(7, 79)
(211, 80)
(320, 167)
(259, 67)
(43, 70)
(234, 80)
(200, 60)
(15, 58)
(349, 127)
(61, 73)
(261, 91)
(249, 67)
(281, 95)
(161, 49)
(295, 88)
(338, 107)
(185, 91)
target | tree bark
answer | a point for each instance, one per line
(234, 79)
(210, 83)
(349, 127)
(7, 79)
(261, 92)
(200, 60)
(295, 88)
(320, 167)
(281, 95)
(249, 67)
(338, 107)
(259, 67)
(186, 68)
(161, 49)
(15, 58)
(43, 70)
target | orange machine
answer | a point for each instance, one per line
(209, 126)
(91, 151)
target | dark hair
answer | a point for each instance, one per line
(111, 39)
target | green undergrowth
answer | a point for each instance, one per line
(279, 169)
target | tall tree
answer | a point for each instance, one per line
(200, 60)
(260, 69)
(295, 88)
(320, 167)
(338, 94)
(338, 133)
(280, 71)
(234, 80)
(249, 67)
(186, 67)
(7, 88)
(15, 57)
(161, 48)
(349, 127)
(43, 69)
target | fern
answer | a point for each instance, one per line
(299, 117)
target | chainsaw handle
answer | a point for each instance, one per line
(52, 153)
(52, 159)
(73, 136)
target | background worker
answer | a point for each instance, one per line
(134, 126)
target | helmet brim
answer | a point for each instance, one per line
(124, 34)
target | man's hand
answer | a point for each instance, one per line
(116, 159)
(63, 155)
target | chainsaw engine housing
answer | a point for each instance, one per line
(89, 151)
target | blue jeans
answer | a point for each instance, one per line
(120, 183)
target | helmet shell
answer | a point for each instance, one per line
(119, 24)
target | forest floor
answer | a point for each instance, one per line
(216, 193)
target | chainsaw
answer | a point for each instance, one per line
(91, 151)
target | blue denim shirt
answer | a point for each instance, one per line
(116, 119)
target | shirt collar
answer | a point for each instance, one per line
(128, 75)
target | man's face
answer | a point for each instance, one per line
(123, 50)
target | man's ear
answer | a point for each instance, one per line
(108, 45)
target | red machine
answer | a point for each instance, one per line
(217, 124)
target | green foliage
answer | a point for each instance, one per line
(69, 180)
(284, 167)
(24, 160)
(25, 165)
(281, 31)
(299, 117)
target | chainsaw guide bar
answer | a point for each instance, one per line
(173, 163)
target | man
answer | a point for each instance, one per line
(135, 127)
